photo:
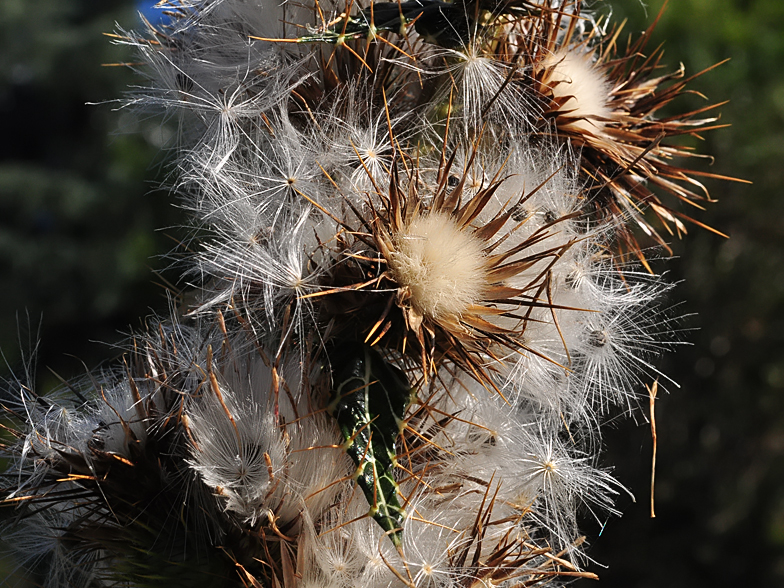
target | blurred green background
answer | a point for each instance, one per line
(82, 227)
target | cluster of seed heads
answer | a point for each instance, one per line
(417, 285)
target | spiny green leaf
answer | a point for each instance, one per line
(369, 402)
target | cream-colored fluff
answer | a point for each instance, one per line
(442, 266)
(575, 76)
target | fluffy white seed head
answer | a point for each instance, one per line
(574, 76)
(42, 537)
(556, 479)
(237, 451)
(427, 546)
(484, 93)
(442, 266)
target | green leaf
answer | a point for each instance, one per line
(369, 401)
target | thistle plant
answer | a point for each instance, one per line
(417, 286)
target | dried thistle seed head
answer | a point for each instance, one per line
(605, 100)
(436, 270)
(579, 88)
(440, 268)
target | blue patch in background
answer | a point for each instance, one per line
(155, 15)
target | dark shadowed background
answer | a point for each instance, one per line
(82, 227)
